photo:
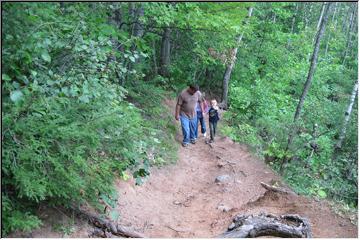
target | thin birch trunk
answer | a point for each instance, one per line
(329, 36)
(348, 38)
(229, 68)
(274, 18)
(347, 115)
(320, 18)
(345, 19)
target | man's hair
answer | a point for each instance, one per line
(194, 87)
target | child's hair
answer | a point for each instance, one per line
(214, 100)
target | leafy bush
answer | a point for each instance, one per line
(159, 125)
(68, 131)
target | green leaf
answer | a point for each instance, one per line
(46, 56)
(108, 200)
(33, 73)
(84, 99)
(124, 176)
(132, 58)
(322, 193)
(138, 181)
(16, 84)
(15, 96)
(114, 215)
(5, 77)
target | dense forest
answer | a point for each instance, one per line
(83, 86)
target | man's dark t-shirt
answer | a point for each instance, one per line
(187, 103)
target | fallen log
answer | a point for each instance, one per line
(108, 226)
(249, 226)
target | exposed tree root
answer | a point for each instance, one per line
(108, 228)
(249, 226)
(276, 189)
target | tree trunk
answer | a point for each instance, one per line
(306, 20)
(227, 74)
(294, 18)
(116, 19)
(250, 226)
(329, 36)
(334, 14)
(165, 52)
(321, 16)
(348, 37)
(62, 6)
(154, 58)
(138, 27)
(349, 45)
(293, 24)
(345, 19)
(137, 30)
(274, 18)
(347, 115)
(309, 77)
(131, 17)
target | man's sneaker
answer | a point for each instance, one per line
(204, 135)
(211, 141)
(185, 144)
(193, 141)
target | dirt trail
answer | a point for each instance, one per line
(183, 200)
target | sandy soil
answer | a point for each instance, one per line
(183, 200)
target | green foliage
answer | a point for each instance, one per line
(264, 91)
(160, 129)
(68, 131)
(243, 133)
(67, 228)
(16, 218)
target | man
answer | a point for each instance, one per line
(186, 112)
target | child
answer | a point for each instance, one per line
(213, 119)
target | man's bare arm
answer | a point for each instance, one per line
(177, 112)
